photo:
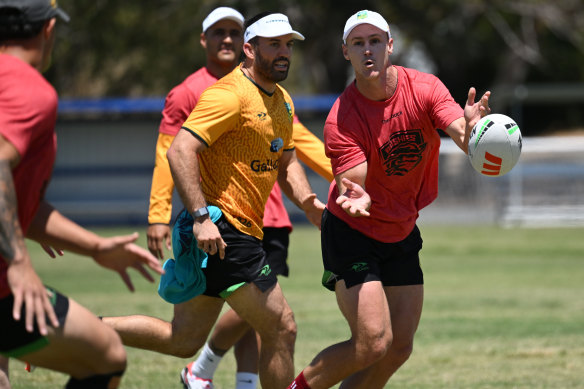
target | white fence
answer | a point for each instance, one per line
(545, 189)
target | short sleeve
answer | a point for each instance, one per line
(216, 112)
(179, 103)
(444, 110)
(343, 146)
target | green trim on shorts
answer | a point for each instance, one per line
(229, 291)
(329, 280)
(29, 348)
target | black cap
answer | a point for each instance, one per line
(36, 10)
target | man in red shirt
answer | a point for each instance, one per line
(382, 140)
(38, 324)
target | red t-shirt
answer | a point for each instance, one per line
(399, 141)
(180, 102)
(28, 113)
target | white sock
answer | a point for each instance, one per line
(206, 364)
(246, 381)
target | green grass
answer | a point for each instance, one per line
(504, 308)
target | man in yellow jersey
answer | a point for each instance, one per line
(230, 152)
(222, 39)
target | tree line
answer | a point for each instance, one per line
(137, 48)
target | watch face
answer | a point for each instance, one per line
(201, 212)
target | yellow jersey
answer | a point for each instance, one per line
(246, 130)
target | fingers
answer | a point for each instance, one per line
(158, 236)
(142, 270)
(472, 94)
(128, 238)
(348, 183)
(222, 247)
(50, 312)
(127, 280)
(17, 306)
(47, 249)
(40, 316)
(213, 247)
(155, 246)
(144, 257)
(484, 107)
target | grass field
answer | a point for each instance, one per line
(504, 308)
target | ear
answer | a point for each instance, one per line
(390, 46)
(345, 51)
(203, 40)
(249, 50)
(49, 27)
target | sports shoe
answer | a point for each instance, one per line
(191, 381)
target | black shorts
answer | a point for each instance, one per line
(275, 243)
(15, 340)
(245, 261)
(350, 255)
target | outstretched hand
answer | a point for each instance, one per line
(355, 201)
(118, 253)
(473, 112)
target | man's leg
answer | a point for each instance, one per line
(246, 352)
(406, 309)
(4, 381)
(366, 310)
(228, 330)
(270, 315)
(247, 356)
(83, 348)
(182, 338)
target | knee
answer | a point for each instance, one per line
(282, 330)
(185, 341)
(114, 360)
(288, 327)
(373, 346)
(186, 347)
(400, 353)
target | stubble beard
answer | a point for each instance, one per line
(267, 69)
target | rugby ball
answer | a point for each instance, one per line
(494, 145)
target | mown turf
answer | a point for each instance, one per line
(504, 308)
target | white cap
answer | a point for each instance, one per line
(365, 17)
(270, 26)
(220, 14)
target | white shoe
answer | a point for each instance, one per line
(191, 381)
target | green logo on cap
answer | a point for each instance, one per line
(362, 15)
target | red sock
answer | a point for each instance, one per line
(299, 382)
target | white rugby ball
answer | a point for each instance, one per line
(494, 145)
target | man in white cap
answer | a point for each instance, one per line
(224, 161)
(222, 39)
(382, 140)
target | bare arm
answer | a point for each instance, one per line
(26, 286)
(459, 130)
(293, 181)
(117, 253)
(310, 150)
(184, 165)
